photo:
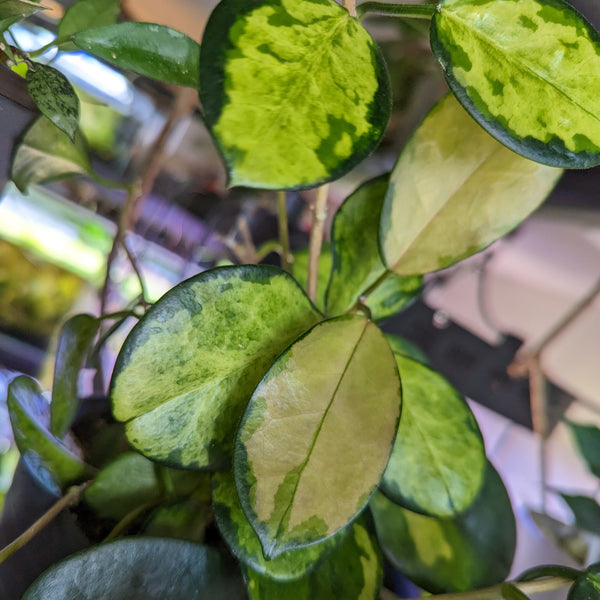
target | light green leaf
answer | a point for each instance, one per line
(54, 96)
(300, 272)
(472, 550)
(586, 511)
(122, 485)
(438, 463)
(357, 264)
(352, 571)
(52, 462)
(453, 191)
(73, 344)
(402, 347)
(295, 93)
(45, 154)
(188, 368)
(528, 71)
(140, 569)
(586, 587)
(151, 50)
(317, 434)
(186, 520)
(587, 440)
(245, 545)
(86, 14)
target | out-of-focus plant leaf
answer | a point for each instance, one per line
(567, 538)
(300, 272)
(517, 68)
(86, 14)
(151, 50)
(12, 11)
(438, 463)
(295, 94)
(402, 347)
(204, 346)
(473, 550)
(311, 434)
(453, 191)
(185, 520)
(587, 440)
(586, 511)
(75, 338)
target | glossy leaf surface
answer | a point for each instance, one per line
(357, 263)
(587, 439)
(528, 71)
(204, 346)
(453, 191)
(317, 429)
(295, 93)
(470, 551)
(586, 587)
(52, 462)
(124, 484)
(86, 14)
(45, 154)
(54, 96)
(151, 50)
(586, 511)
(245, 544)
(75, 338)
(17, 9)
(352, 571)
(438, 462)
(140, 569)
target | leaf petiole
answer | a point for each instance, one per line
(408, 11)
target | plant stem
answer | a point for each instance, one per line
(56, 42)
(319, 211)
(71, 498)
(127, 520)
(284, 234)
(409, 11)
(350, 6)
(495, 592)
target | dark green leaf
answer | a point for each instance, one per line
(317, 434)
(528, 72)
(586, 511)
(53, 463)
(402, 347)
(587, 439)
(475, 549)
(54, 96)
(141, 569)
(188, 368)
(86, 14)
(15, 10)
(75, 338)
(568, 538)
(453, 191)
(587, 587)
(245, 544)
(127, 483)
(549, 571)
(45, 154)
(351, 572)
(438, 463)
(357, 263)
(295, 93)
(151, 50)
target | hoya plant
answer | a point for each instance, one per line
(266, 439)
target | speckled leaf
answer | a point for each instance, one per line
(86, 14)
(438, 462)
(141, 569)
(151, 50)
(353, 571)
(54, 96)
(245, 545)
(586, 511)
(188, 368)
(357, 263)
(52, 462)
(124, 484)
(45, 154)
(473, 550)
(586, 587)
(317, 434)
(453, 191)
(295, 93)
(73, 344)
(528, 71)
(587, 440)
